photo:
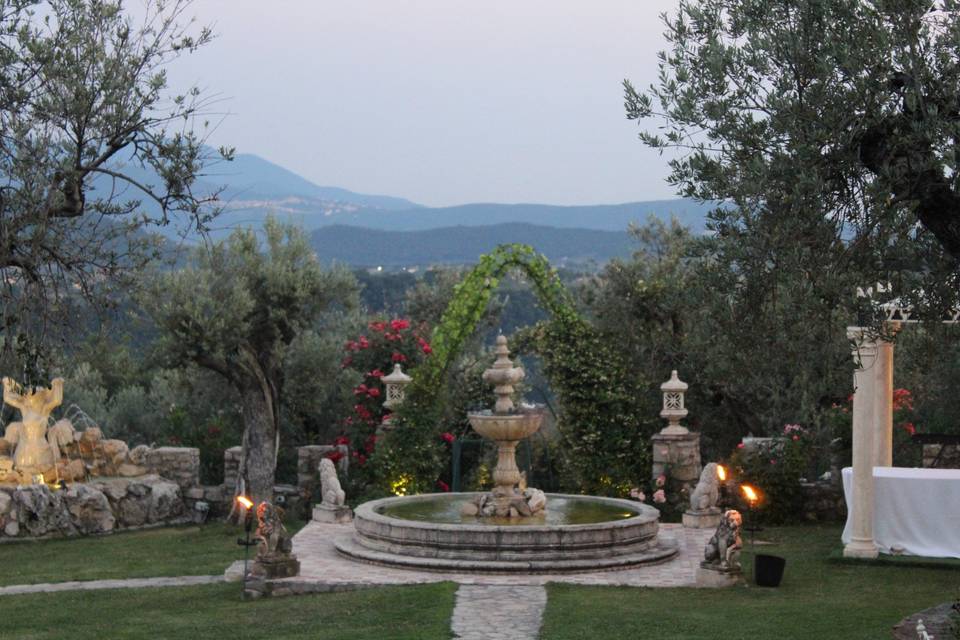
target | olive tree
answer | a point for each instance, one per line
(236, 311)
(94, 147)
(827, 126)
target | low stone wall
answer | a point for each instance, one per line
(823, 502)
(96, 507)
(179, 464)
(946, 456)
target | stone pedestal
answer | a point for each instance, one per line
(677, 455)
(336, 514)
(865, 431)
(706, 519)
(711, 576)
(276, 566)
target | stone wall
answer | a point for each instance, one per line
(677, 457)
(949, 456)
(96, 507)
(180, 464)
(823, 502)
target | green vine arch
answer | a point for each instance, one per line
(603, 436)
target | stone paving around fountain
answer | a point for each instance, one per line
(324, 569)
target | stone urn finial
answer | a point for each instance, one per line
(673, 406)
(503, 375)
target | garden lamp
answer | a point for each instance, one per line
(753, 497)
(673, 406)
(395, 387)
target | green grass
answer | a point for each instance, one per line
(817, 599)
(170, 551)
(419, 612)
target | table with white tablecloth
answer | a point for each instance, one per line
(915, 511)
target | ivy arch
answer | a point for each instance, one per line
(471, 297)
(603, 438)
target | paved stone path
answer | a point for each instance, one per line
(92, 585)
(323, 568)
(489, 612)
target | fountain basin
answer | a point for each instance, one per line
(509, 427)
(617, 534)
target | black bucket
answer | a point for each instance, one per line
(768, 570)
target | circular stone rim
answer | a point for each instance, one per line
(645, 514)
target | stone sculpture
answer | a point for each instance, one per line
(723, 548)
(721, 556)
(922, 631)
(274, 546)
(34, 453)
(703, 512)
(331, 507)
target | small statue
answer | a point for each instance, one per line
(330, 490)
(922, 631)
(723, 550)
(332, 507)
(274, 558)
(707, 492)
(34, 452)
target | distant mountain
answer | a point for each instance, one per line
(364, 247)
(255, 188)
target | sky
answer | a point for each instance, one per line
(442, 102)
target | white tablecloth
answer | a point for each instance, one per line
(916, 510)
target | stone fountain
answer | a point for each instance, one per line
(506, 427)
(508, 529)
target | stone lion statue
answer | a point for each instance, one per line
(271, 534)
(707, 492)
(723, 549)
(330, 490)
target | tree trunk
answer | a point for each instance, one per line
(260, 442)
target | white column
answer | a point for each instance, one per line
(865, 380)
(883, 398)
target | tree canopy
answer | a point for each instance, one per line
(828, 128)
(93, 146)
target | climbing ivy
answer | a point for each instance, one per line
(602, 435)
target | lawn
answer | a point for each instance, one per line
(419, 612)
(819, 598)
(170, 551)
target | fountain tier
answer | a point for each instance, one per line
(621, 534)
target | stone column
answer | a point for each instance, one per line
(865, 379)
(883, 397)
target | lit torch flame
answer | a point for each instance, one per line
(721, 472)
(750, 493)
(245, 502)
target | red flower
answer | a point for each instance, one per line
(773, 461)
(427, 349)
(909, 428)
(373, 392)
(795, 438)
(447, 437)
(335, 456)
(346, 362)
(342, 439)
(740, 446)
(379, 327)
(350, 345)
(376, 373)
(360, 390)
(902, 399)
(443, 485)
(363, 343)
(398, 357)
(399, 324)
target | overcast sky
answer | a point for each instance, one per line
(439, 101)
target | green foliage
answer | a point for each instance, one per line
(827, 129)
(96, 147)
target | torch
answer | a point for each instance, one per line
(246, 505)
(752, 498)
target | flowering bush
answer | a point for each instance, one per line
(671, 498)
(373, 355)
(840, 418)
(776, 468)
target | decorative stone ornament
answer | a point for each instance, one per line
(674, 410)
(331, 508)
(721, 556)
(395, 384)
(704, 512)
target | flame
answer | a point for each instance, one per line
(721, 472)
(750, 493)
(244, 502)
